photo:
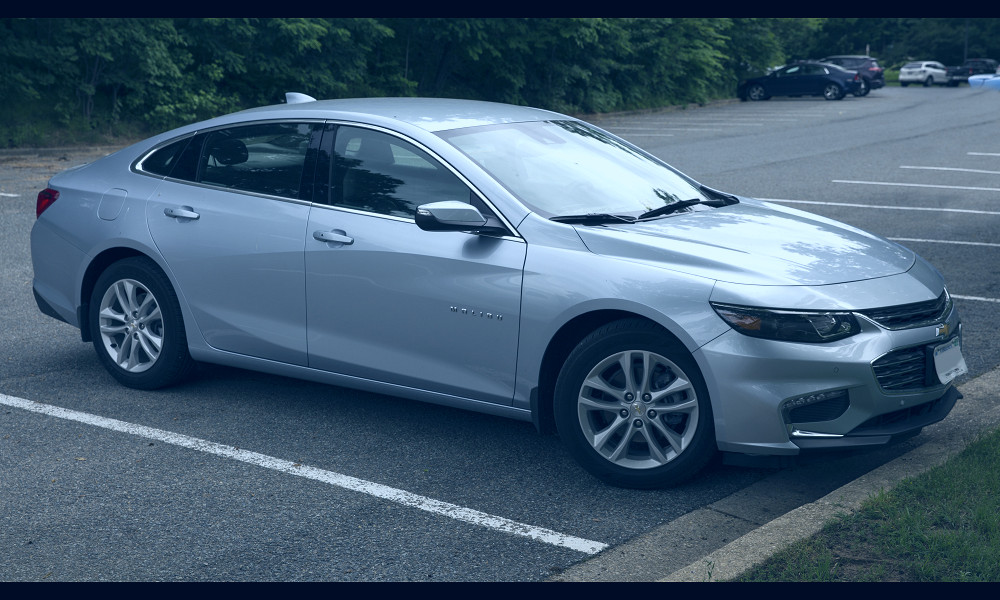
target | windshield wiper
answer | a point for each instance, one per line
(669, 208)
(593, 219)
(681, 205)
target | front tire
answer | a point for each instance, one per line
(138, 329)
(632, 407)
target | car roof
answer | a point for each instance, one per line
(430, 114)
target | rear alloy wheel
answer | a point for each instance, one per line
(929, 81)
(756, 92)
(832, 92)
(137, 326)
(863, 88)
(632, 407)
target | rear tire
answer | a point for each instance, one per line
(138, 330)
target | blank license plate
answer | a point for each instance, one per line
(948, 360)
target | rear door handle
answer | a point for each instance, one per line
(181, 212)
(336, 237)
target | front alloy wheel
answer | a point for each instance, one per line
(632, 407)
(137, 327)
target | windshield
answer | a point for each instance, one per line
(559, 168)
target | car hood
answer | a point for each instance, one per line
(753, 244)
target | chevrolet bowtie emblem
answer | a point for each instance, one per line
(942, 330)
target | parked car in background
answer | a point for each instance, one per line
(872, 75)
(973, 66)
(925, 72)
(990, 81)
(805, 78)
(503, 259)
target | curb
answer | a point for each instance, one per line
(979, 412)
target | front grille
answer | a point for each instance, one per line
(908, 316)
(908, 368)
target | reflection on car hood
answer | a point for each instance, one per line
(753, 244)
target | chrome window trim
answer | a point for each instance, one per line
(136, 166)
(365, 213)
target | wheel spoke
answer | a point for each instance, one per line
(622, 446)
(590, 403)
(124, 351)
(601, 437)
(655, 452)
(625, 362)
(150, 344)
(595, 382)
(677, 385)
(676, 442)
(647, 374)
(682, 407)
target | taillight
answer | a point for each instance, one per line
(45, 199)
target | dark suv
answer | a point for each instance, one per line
(872, 75)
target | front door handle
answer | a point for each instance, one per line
(336, 236)
(181, 212)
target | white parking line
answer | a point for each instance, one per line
(983, 153)
(6, 195)
(398, 496)
(951, 169)
(899, 239)
(847, 204)
(923, 185)
(979, 298)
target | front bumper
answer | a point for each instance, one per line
(782, 398)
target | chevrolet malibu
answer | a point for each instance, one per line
(502, 259)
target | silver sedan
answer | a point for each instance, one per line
(503, 259)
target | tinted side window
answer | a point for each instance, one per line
(267, 158)
(377, 172)
(163, 161)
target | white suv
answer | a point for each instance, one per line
(926, 72)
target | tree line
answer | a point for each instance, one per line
(76, 78)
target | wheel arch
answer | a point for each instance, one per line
(98, 265)
(560, 346)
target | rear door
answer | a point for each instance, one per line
(230, 222)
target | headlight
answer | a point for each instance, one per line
(788, 325)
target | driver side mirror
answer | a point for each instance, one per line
(452, 215)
